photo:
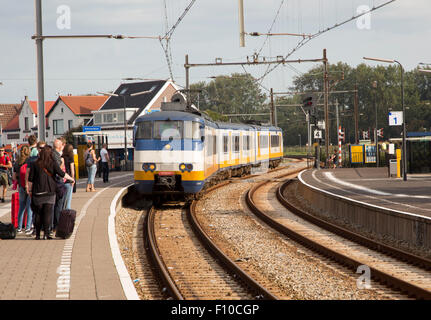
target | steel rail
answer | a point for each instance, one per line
(155, 255)
(229, 264)
(350, 235)
(383, 277)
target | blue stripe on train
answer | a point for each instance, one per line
(185, 144)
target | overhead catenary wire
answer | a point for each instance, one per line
(305, 40)
(168, 35)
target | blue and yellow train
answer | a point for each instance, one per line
(181, 151)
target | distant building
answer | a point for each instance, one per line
(70, 112)
(24, 122)
(7, 113)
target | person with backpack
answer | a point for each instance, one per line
(91, 165)
(5, 165)
(42, 189)
(20, 169)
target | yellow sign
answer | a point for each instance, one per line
(398, 152)
(356, 153)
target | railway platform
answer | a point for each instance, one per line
(373, 186)
(87, 266)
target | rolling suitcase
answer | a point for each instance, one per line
(66, 223)
(7, 231)
(15, 210)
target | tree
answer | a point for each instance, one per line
(237, 93)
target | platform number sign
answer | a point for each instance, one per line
(395, 118)
(317, 134)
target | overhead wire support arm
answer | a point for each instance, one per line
(257, 34)
(84, 36)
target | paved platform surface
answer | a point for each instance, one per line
(373, 186)
(78, 268)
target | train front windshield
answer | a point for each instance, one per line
(166, 129)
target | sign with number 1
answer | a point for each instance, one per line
(395, 118)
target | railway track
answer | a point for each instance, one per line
(190, 264)
(396, 269)
(186, 267)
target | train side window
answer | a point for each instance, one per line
(225, 144)
(144, 130)
(263, 141)
(214, 144)
(209, 144)
(196, 131)
(236, 143)
(275, 141)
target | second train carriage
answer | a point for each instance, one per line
(180, 152)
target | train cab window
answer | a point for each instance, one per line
(164, 130)
(143, 130)
(225, 144)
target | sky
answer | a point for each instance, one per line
(209, 30)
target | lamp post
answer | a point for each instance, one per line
(299, 135)
(124, 95)
(404, 155)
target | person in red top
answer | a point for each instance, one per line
(5, 165)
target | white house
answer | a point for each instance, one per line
(69, 112)
(24, 123)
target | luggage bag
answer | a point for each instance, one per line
(15, 210)
(66, 223)
(7, 231)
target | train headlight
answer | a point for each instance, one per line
(149, 167)
(186, 167)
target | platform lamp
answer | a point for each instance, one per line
(404, 155)
(124, 95)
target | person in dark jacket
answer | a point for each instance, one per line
(42, 189)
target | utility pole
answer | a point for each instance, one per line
(326, 97)
(272, 108)
(241, 23)
(41, 130)
(356, 114)
(186, 65)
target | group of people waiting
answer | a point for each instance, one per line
(45, 177)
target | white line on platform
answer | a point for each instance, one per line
(331, 177)
(357, 201)
(63, 280)
(123, 273)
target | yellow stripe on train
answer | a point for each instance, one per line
(185, 176)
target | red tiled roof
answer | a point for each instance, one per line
(81, 105)
(13, 124)
(48, 106)
(8, 112)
